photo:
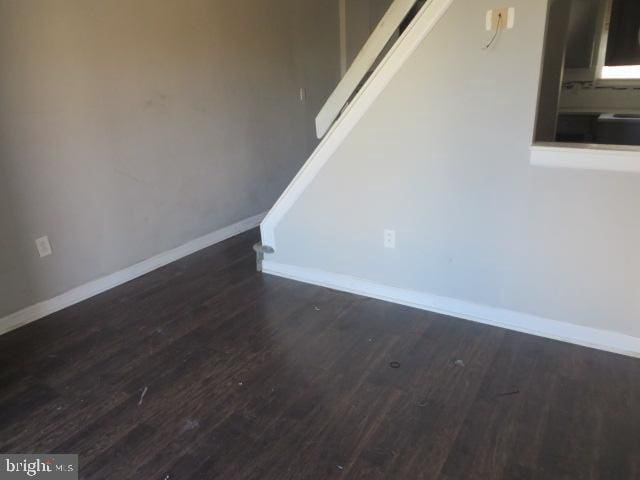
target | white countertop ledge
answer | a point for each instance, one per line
(613, 158)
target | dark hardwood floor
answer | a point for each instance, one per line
(206, 369)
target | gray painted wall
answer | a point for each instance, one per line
(443, 157)
(362, 17)
(129, 127)
(316, 47)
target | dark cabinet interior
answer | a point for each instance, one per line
(623, 47)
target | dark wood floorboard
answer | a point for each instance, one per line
(247, 376)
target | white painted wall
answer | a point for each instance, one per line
(442, 157)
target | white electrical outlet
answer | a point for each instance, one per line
(44, 247)
(390, 239)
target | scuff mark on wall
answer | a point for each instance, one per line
(132, 177)
(158, 102)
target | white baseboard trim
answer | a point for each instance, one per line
(90, 289)
(511, 320)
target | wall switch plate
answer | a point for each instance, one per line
(303, 94)
(506, 17)
(390, 239)
(44, 247)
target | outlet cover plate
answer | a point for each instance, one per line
(390, 239)
(44, 246)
